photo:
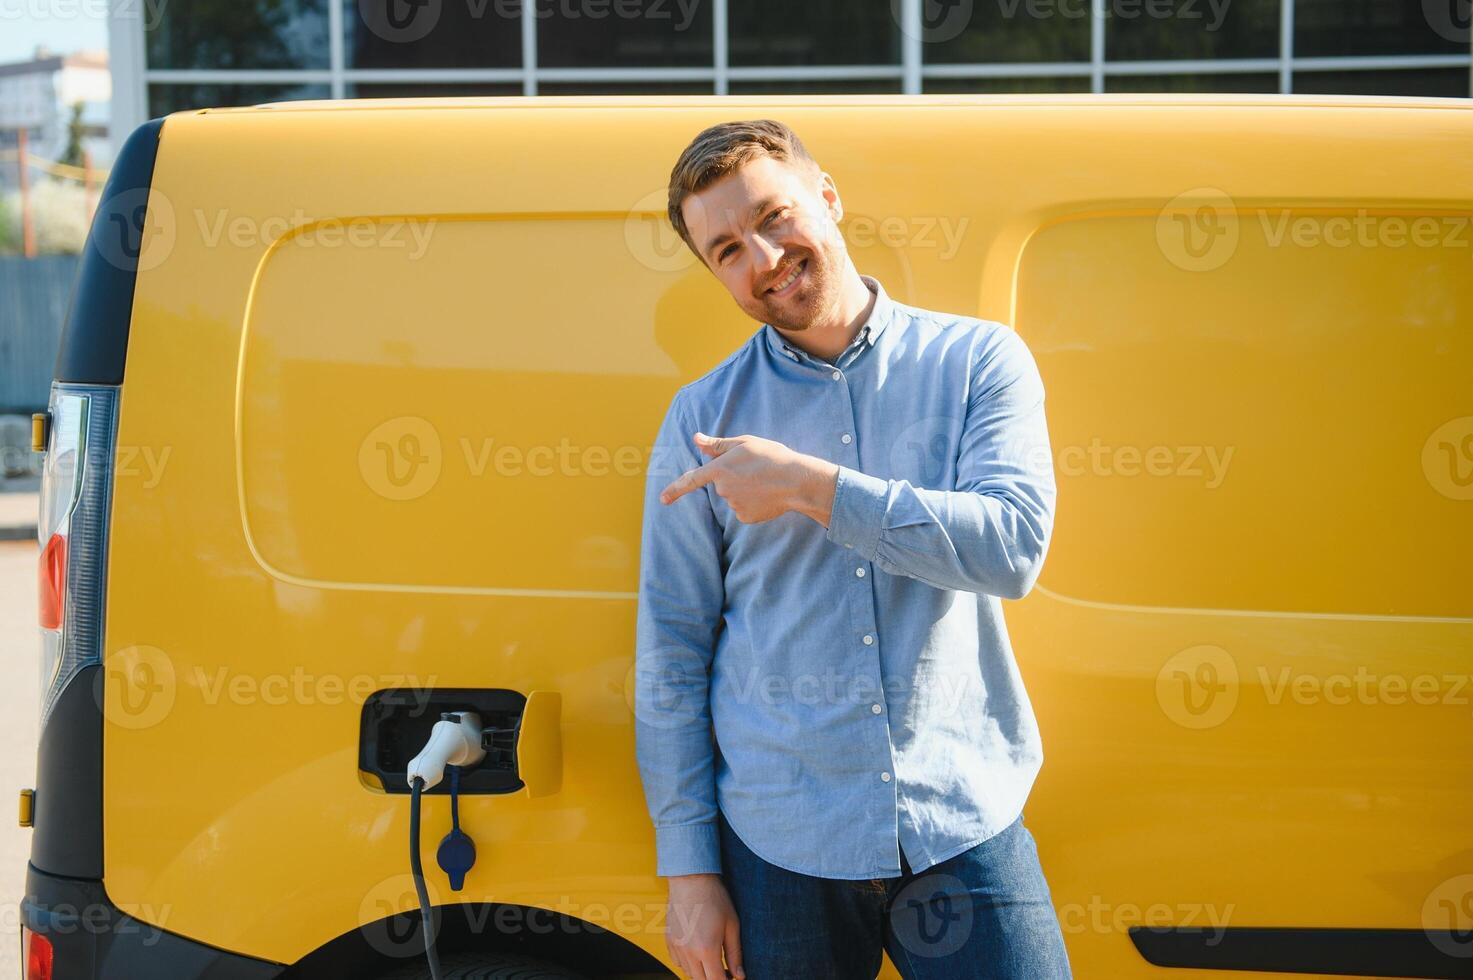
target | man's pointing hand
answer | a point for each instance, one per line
(759, 479)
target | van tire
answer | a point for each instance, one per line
(488, 966)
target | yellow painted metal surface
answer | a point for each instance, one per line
(397, 367)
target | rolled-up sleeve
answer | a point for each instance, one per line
(989, 534)
(681, 595)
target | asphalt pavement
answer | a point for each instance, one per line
(19, 718)
(18, 515)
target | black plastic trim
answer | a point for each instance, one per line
(94, 341)
(67, 832)
(1426, 954)
(94, 940)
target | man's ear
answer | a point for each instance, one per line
(830, 193)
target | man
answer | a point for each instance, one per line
(833, 735)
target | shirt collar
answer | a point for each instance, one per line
(880, 316)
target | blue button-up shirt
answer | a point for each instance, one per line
(843, 693)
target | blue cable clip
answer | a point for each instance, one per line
(457, 853)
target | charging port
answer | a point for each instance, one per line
(396, 723)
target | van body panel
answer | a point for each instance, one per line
(316, 508)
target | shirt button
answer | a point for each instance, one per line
(885, 776)
(836, 375)
(868, 639)
(846, 438)
(859, 572)
(876, 708)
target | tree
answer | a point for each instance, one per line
(74, 133)
(9, 244)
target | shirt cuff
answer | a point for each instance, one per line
(859, 511)
(688, 849)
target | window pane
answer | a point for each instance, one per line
(836, 86)
(164, 98)
(1325, 28)
(624, 33)
(1424, 81)
(238, 34)
(1137, 30)
(400, 34)
(1005, 31)
(625, 88)
(819, 32)
(422, 90)
(1225, 83)
(1007, 86)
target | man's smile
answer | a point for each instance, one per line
(789, 282)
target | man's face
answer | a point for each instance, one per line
(764, 222)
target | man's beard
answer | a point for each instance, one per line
(815, 296)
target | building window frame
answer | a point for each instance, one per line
(132, 76)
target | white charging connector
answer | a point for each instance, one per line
(454, 741)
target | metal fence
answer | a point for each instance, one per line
(33, 300)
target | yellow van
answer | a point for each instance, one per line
(348, 437)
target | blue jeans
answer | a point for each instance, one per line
(985, 914)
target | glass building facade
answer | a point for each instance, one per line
(190, 53)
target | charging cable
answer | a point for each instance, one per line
(417, 870)
(455, 742)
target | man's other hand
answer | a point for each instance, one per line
(700, 924)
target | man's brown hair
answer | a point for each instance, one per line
(718, 150)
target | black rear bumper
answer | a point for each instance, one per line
(93, 940)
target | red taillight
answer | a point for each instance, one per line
(36, 949)
(53, 582)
